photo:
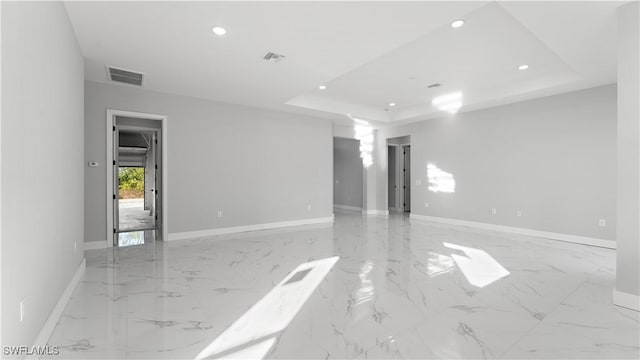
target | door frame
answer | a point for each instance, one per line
(110, 123)
(116, 191)
(398, 206)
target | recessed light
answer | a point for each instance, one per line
(457, 23)
(523, 67)
(392, 104)
(322, 87)
(219, 30)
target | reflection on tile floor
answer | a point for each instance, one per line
(397, 292)
(130, 238)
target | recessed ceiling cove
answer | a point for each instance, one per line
(479, 59)
(393, 54)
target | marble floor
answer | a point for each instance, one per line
(140, 237)
(366, 287)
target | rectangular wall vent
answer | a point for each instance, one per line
(124, 76)
(271, 56)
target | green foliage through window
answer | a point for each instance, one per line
(131, 182)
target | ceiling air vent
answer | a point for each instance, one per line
(434, 85)
(124, 76)
(271, 56)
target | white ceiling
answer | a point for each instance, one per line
(367, 53)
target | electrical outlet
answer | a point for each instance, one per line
(219, 213)
(602, 222)
(518, 213)
(418, 182)
(337, 181)
(75, 246)
(348, 197)
(426, 205)
(494, 211)
(309, 207)
(22, 309)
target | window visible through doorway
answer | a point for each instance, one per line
(132, 213)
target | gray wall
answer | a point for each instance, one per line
(553, 158)
(402, 140)
(347, 172)
(42, 163)
(257, 166)
(628, 264)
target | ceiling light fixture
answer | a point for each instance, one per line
(322, 87)
(457, 23)
(392, 104)
(219, 30)
(523, 67)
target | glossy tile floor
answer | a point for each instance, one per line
(398, 290)
(130, 238)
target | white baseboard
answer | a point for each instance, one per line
(54, 316)
(347, 207)
(95, 245)
(376, 212)
(626, 300)
(245, 228)
(395, 209)
(609, 244)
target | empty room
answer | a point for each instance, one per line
(320, 180)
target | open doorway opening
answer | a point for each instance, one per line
(136, 180)
(399, 174)
(348, 175)
(132, 213)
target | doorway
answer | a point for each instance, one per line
(136, 182)
(136, 212)
(392, 178)
(399, 174)
(348, 175)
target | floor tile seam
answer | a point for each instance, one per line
(597, 284)
(545, 320)
(126, 322)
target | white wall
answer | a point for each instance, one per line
(256, 166)
(628, 266)
(42, 163)
(552, 158)
(344, 131)
(347, 172)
